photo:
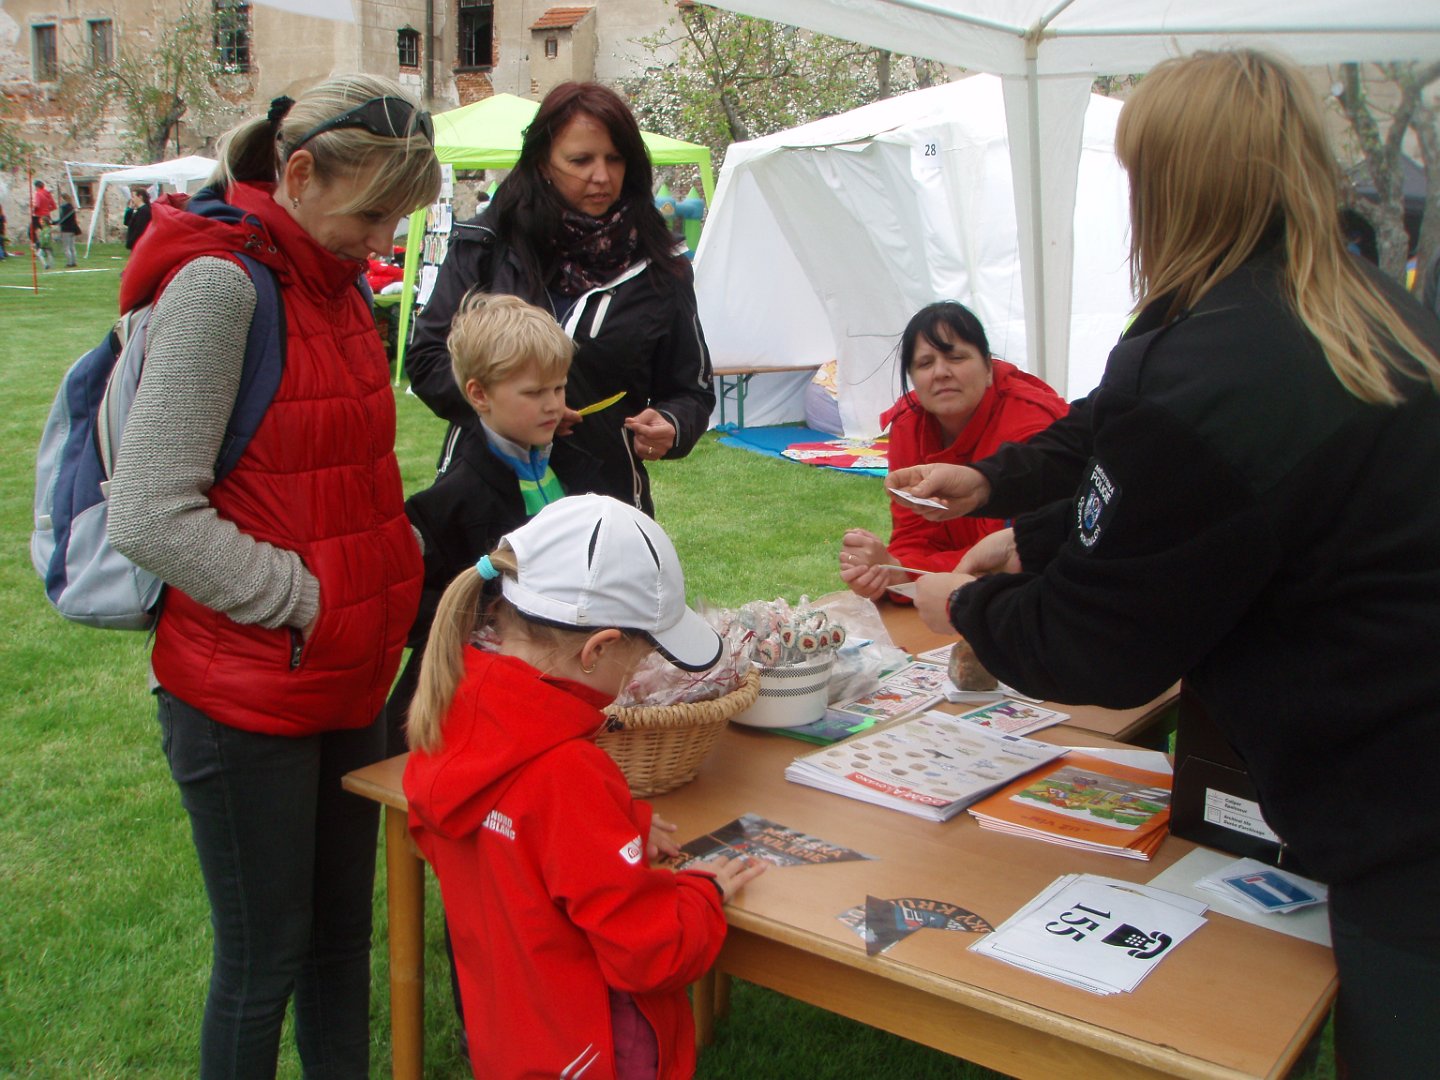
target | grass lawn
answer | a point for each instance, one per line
(104, 936)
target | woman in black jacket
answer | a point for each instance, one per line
(574, 230)
(1251, 505)
(138, 217)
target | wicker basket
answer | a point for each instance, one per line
(661, 746)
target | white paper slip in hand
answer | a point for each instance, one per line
(916, 500)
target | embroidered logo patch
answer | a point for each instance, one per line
(1095, 505)
(633, 852)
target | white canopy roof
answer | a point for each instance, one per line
(182, 173)
(825, 239)
(1048, 51)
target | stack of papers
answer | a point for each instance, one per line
(1094, 933)
(932, 766)
(1258, 887)
(1087, 802)
(1014, 717)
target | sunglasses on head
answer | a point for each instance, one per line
(387, 117)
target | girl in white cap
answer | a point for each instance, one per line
(573, 954)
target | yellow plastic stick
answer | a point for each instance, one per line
(611, 400)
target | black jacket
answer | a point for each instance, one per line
(470, 506)
(136, 226)
(642, 337)
(1239, 519)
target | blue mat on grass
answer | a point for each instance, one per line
(772, 441)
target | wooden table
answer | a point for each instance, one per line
(734, 383)
(1232, 1001)
(1148, 725)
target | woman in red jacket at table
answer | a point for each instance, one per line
(964, 405)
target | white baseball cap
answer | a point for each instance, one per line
(593, 562)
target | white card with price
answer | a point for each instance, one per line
(1095, 933)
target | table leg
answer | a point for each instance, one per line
(702, 1005)
(405, 880)
(722, 995)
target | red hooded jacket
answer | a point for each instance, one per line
(42, 203)
(540, 852)
(319, 477)
(1015, 407)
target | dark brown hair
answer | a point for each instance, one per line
(526, 213)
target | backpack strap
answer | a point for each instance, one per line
(264, 365)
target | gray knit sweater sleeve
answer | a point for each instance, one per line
(160, 517)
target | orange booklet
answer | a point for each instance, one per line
(1085, 802)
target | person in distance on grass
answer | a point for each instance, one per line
(1250, 505)
(573, 952)
(138, 218)
(964, 405)
(291, 582)
(69, 224)
(42, 205)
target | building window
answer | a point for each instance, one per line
(477, 33)
(408, 43)
(45, 56)
(85, 194)
(232, 34)
(102, 43)
(552, 47)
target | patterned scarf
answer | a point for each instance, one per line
(593, 250)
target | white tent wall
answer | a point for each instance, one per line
(184, 174)
(824, 240)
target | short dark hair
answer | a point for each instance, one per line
(527, 214)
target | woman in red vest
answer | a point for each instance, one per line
(963, 406)
(293, 580)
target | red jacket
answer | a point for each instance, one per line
(1015, 407)
(42, 203)
(540, 852)
(319, 477)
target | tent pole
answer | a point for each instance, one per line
(1037, 347)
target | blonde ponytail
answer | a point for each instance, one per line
(458, 616)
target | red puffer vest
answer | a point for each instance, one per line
(319, 477)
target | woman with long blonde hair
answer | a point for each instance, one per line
(1247, 501)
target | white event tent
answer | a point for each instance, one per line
(1047, 53)
(824, 239)
(182, 173)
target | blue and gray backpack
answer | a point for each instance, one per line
(86, 579)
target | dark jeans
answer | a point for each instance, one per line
(288, 859)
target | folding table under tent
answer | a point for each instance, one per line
(488, 135)
(182, 173)
(1048, 52)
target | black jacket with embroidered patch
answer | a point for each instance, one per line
(642, 337)
(1268, 537)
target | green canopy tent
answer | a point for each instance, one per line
(488, 135)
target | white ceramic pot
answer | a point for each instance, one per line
(791, 695)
